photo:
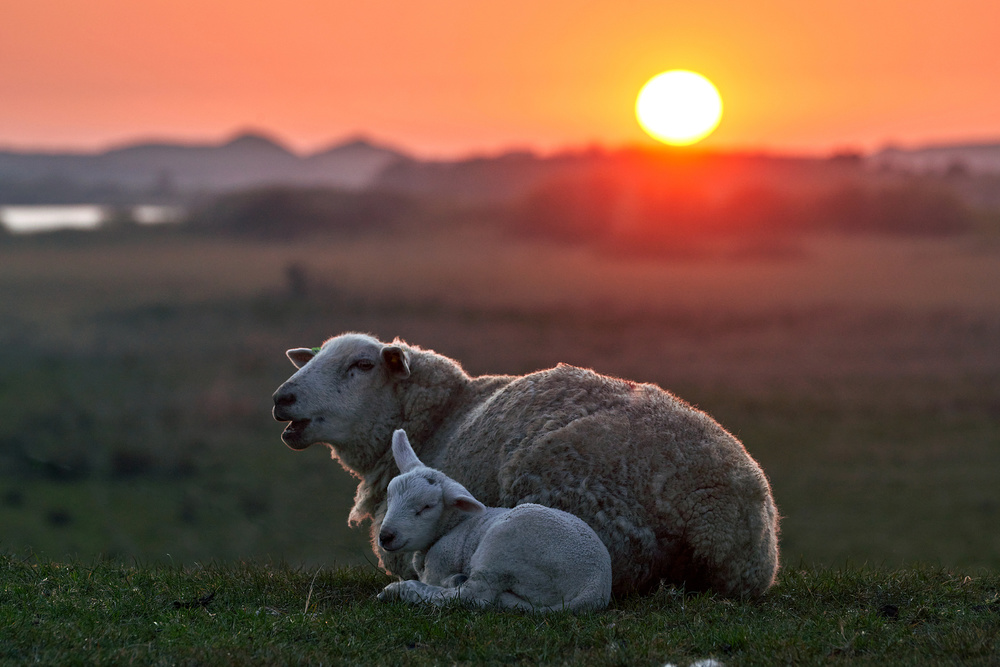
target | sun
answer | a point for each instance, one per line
(678, 107)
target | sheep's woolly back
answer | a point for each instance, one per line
(429, 395)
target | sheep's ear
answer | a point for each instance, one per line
(300, 356)
(397, 360)
(457, 496)
(406, 458)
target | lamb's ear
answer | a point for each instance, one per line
(406, 458)
(397, 360)
(457, 496)
(300, 356)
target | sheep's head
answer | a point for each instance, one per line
(419, 501)
(338, 391)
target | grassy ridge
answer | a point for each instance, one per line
(109, 612)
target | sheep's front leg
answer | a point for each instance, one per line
(417, 592)
(414, 592)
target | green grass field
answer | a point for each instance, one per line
(136, 374)
(135, 381)
(244, 613)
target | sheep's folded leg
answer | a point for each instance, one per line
(413, 591)
(417, 592)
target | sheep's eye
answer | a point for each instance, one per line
(365, 364)
(423, 509)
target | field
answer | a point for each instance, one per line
(136, 369)
(270, 614)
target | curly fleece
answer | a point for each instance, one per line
(673, 495)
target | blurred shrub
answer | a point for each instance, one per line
(13, 498)
(910, 208)
(666, 215)
(254, 503)
(59, 517)
(284, 212)
(130, 462)
(56, 189)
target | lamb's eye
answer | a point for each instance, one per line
(423, 509)
(365, 364)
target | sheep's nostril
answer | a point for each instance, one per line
(386, 537)
(285, 399)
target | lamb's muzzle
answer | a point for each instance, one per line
(386, 539)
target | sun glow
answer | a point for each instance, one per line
(678, 107)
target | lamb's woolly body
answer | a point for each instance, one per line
(529, 557)
(672, 495)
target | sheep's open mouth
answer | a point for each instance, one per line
(292, 435)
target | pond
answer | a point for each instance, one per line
(27, 219)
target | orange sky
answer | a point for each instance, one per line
(449, 77)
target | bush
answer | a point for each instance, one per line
(663, 215)
(283, 212)
(912, 208)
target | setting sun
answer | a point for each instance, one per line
(678, 107)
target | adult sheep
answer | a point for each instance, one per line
(671, 493)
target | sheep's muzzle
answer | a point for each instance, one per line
(292, 436)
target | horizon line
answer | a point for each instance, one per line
(156, 139)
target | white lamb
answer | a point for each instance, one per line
(530, 557)
(674, 497)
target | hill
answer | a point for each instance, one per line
(973, 158)
(166, 168)
(172, 172)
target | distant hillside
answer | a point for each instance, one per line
(165, 172)
(981, 158)
(248, 160)
(283, 212)
(490, 180)
(512, 177)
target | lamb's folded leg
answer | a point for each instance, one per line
(413, 591)
(455, 580)
(474, 594)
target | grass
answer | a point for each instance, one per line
(136, 374)
(135, 383)
(108, 612)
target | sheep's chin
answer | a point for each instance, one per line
(294, 435)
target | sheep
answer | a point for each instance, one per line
(675, 498)
(530, 557)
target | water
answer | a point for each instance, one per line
(30, 219)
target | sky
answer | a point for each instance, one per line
(447, 78)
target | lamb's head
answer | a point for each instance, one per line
(422, 502)
(339, 391)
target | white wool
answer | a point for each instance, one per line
(530, 557)
(674, 497)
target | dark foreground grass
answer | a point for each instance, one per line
(244, 613)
